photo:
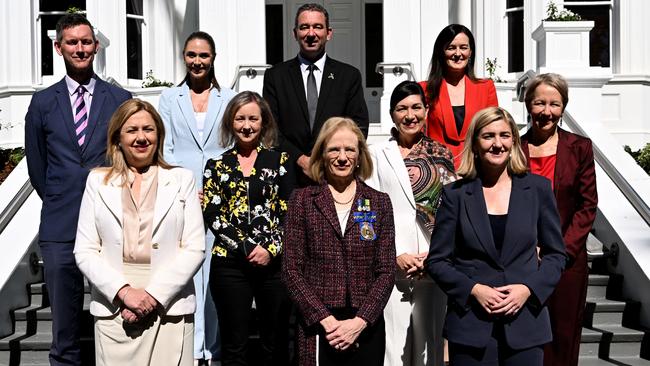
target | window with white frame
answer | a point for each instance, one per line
(49, 13)
(600, 36)
(134, 23)
(515, 15)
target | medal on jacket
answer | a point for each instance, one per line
(364, 217)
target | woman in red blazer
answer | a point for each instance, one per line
(574, 186)
(339, 259)
(453, 92)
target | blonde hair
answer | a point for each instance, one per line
(268, 134)
(330, 127)
(114, 155)
(516, 163)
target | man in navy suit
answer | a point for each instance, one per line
(307, 90)
(65, 137)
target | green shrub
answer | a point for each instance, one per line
(642, 156)
(564, 15)
(150, 81)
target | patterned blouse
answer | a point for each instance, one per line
(244, 212)
(430, 166)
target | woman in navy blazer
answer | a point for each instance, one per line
(192, 114)
(574, 186)
(484, 250)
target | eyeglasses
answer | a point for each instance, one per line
(335, 153)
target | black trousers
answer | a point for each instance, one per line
(65, 290)
(495, 353)
(371, 345)
(234, 284)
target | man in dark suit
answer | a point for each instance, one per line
(65, 137)
(307, 90)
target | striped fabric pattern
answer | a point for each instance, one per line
(80, 115)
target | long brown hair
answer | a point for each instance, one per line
(208, 38)
(438, 63)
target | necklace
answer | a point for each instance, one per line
(343, 203)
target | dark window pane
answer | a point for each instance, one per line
(134, 7)
(599, 35)
(48, 22)
(61, 5)
(374, 44)
(516, 41)
(134, 48)
(274, 37)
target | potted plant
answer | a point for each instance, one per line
(562, 40)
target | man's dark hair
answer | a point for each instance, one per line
(313, 7)
(69, 21)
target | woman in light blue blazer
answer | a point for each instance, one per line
(192, 113)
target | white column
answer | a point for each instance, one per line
(16, 32)
(461, 12)
(109, 18)
(633, 24)
(238, 29)
(410, 30)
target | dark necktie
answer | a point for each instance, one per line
(312, 94)
(80, 115)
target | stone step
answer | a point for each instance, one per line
(606, 305)
(624, 349)
(629, 361)
(43, 313)
(611, 332)
(596, 291)
(598, 280)
(25, 358)
(593, 361)
(588, 349)
(607, 318)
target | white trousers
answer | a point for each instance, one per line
(414, 318)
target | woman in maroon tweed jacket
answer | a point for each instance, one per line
(339, 253)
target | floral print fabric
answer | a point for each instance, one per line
(430, 166)
(244, 212)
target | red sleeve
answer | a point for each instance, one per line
(492, 100)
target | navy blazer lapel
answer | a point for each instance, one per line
(295, 75)
(519, 215)
(63, 98)
(99, 97)
(478, 217)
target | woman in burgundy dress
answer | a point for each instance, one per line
(568, 161)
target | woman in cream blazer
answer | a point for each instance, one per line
(411, 168)
(140, 239)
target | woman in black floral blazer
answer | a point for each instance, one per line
(245, 198)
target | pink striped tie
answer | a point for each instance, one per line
(80, 115)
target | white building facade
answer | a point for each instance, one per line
(391, 37)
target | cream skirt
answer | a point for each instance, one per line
(155, 340)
